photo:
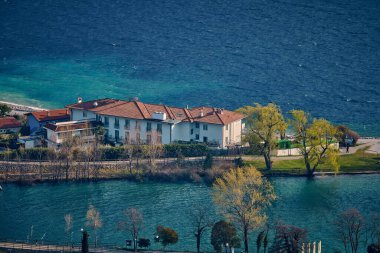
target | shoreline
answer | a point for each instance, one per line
(18, 109)
(138, 178)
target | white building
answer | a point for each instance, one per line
(58, 132)
(137, 122)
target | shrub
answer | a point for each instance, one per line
(207, 164)
(143, 243)
(187, 150)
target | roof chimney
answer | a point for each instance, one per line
(95, 104)
(48, 113)
(202, 112)
(135, 99)
(80, 100)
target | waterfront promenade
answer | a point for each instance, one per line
(13, 247)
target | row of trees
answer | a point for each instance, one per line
(242, 197)
(315, 135)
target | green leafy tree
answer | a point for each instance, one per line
(224, 233)
(4, 110)
(263, 124)
(207, 164)
(242, 196)
(166, 236)
(316, 138)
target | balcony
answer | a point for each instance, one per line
(116, 126)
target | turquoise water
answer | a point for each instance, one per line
(320, 56)
(311, 204)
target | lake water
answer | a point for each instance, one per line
(320, 56)
(311, 204)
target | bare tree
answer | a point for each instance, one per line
(93, 221)
(288, 239)
(133, 223)
(350, 227)
(200, 220)
(68, 225)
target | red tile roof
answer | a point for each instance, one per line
(9, 122)
(51, 115)
(140, 110)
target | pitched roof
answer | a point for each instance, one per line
(93, 105)
(51, 115)
(71, 126)
(215, 115)
(139, 110)
(9, 122)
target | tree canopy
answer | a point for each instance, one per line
(316, 137)
(222, 233)
(166, 235)
(4, 110)
(242, 196)
(263, 123)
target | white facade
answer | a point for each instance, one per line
(135, 131)
(123, 130)
(82, 115)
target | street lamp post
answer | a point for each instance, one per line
(84, 241)
(227, 247)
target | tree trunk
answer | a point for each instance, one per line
(268, 162)
(245, 240)
(198, 241)
(309, 170)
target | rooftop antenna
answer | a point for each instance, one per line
(80, 100)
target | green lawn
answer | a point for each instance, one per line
(357, 162)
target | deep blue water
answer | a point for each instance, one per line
(310, 204)
(317, 55)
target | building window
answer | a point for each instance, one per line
(226, 127)
(197, 125)
(226, 140)
(159, 128)
(116, 123)
(127, 138)
(137, 137)
(148, 126)
(149, 139)
(117, 135)
(106, 121)
(192, 131)
(138, 125)
(127, 124)
(84, 114)
(159, 139)
(205, 139)
(197, 136)
(205, 127)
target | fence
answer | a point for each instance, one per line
(48, 246)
